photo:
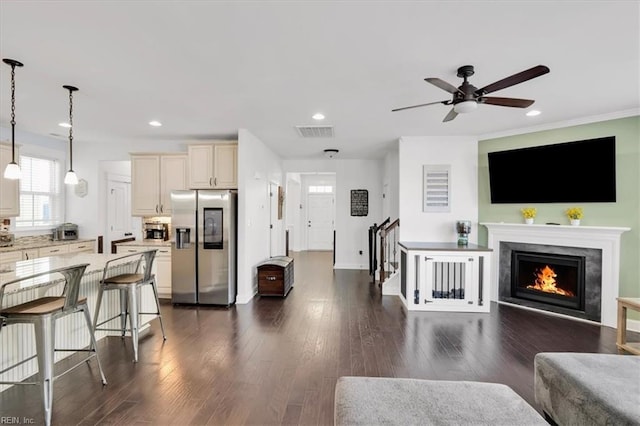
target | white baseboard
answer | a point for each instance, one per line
(350, 266)
(633, 325)
(391, 287)
(243, 299)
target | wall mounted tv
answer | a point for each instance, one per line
(573, 172)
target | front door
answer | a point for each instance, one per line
(320, 221)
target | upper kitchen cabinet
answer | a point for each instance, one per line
(213, 166)
(9, 189)
(153, 177)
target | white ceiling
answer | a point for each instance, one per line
(206, 69)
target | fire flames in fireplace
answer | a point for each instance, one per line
(545, 281)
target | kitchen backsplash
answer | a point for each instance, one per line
(32, 239)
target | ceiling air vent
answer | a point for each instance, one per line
(315, 131)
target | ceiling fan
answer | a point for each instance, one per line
(466, 97)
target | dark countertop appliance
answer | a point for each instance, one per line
(66, 231)
(156, 231)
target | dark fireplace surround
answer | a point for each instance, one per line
(580, 267)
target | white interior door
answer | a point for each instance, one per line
(118, 210)
(274, 225)
(320, 221)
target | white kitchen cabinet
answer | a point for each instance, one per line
(53, 250)
(153, 177)
(161, 266)
(213, 166)
(29, 254)
(87, 246)
(10, 256)
(9, 189)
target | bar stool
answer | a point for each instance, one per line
(128, 284)
(42, 313)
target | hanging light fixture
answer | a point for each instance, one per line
(70, 178)
(13, 170)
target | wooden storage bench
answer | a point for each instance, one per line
(275, 276)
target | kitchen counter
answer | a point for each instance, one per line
(150, 243)
(23, 268)
(40, 243)
(17, 342)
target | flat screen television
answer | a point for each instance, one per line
(572, 172)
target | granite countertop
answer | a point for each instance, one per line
(23, 268)
(41, 243)
(413, 245)
(144, 243)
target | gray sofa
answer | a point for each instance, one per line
(588, 389)
(389, 401)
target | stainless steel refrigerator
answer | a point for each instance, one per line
(203, 248)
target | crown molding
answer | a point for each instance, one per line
(562, 124)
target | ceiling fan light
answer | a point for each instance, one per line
(465, 107)
(12, 171)
(70, 178)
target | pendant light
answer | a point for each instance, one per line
(70, 178)
(13, 169)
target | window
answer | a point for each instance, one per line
(320, 189)
(41, 198)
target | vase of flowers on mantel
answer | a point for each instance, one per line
(529, 214)
(574, 214)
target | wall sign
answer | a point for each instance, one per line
(359, 202)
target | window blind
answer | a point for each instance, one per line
(41, 198)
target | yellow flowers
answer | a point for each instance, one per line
(528, 212)
(574, 213)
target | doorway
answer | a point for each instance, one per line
(119, 224)
(320, 221)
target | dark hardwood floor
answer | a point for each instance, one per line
(276, 361)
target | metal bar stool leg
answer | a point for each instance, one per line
(133, 318)
(44, 329)
(155, 293)
(97, 313)
(123, 311)
(94, 346)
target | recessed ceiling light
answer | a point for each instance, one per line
(318, 116)
(533, 113)
(65, 125)
(155, 123)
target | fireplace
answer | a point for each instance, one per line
(572, 277)
(554, 279)
(600, 245)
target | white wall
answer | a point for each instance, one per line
(351, 231)
(461, 153)
(391, 178)
(257, 167)
(292, 203)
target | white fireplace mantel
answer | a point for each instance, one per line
(604, 238)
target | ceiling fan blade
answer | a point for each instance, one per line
(507, 102)
(443, 85)
(421, 105)
(452, 114)
(520, 77)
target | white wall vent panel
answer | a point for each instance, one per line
(437, 188)
(315, 131)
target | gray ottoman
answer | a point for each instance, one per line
(588, 389)
(386, 401)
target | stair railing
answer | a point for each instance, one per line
(389, 253)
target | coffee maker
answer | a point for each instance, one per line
(156, 231)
